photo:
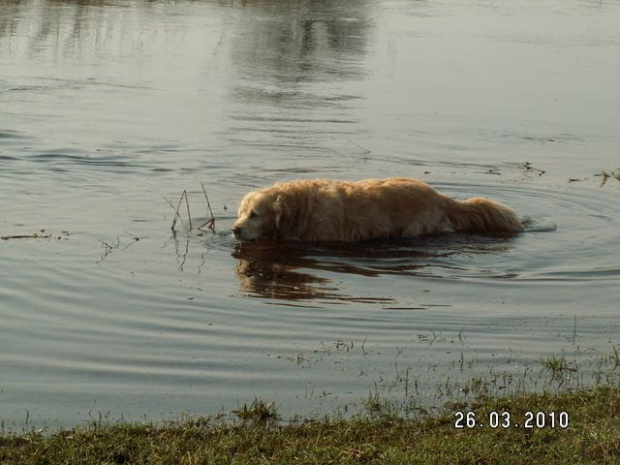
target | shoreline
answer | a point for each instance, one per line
(579, 426)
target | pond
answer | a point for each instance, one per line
(109, 110)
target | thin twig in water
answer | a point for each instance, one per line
(135, 239)
(108, 248)
(528, 167)
(26, 236)
(179, 206)
(210, 223)
(366, 151)
(605, 175)
(434, 338)
(176, 214)
(189, 217)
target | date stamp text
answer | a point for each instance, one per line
(505, 420)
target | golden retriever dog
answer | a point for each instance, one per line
(328, 210)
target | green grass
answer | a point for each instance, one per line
(258, 412)
(573, 405)
(592, 437)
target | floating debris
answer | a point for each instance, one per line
(41, 234)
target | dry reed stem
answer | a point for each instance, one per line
(108, 248)
(528, 167)
(26, 236)
(176, 214)
(364, 149)
(211, 222)
(187, 204)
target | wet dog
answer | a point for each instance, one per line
(322, 210)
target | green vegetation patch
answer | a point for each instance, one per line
(468, 434)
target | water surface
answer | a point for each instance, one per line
(109, 109)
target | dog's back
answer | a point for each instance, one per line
(330, 210)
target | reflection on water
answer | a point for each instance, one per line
(293, 271)
(295, 63)
(289, 44)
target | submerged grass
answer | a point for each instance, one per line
(557, 367)
(590, 433)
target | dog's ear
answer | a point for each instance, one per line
(280, 208)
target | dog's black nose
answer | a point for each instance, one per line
(236, 231)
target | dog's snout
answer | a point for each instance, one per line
(236, 231)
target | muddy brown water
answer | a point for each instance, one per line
(110, 108)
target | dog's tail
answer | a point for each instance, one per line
(478, 215)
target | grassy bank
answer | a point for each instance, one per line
(592, 435)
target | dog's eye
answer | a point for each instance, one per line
(253, 214)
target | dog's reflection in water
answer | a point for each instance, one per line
(270, 270)
(296, 271)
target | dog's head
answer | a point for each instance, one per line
(260, 215)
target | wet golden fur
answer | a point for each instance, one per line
(329, 210)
